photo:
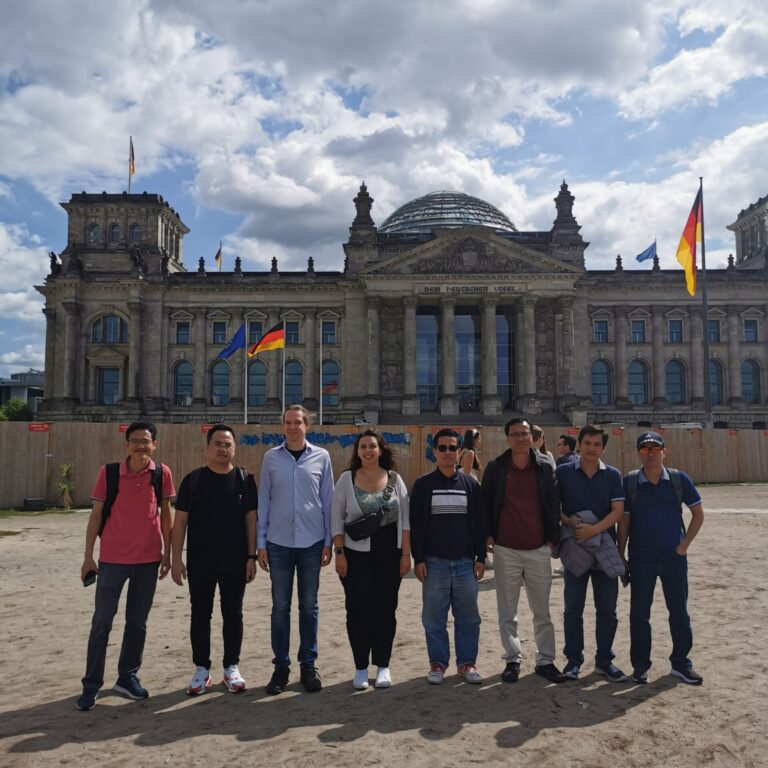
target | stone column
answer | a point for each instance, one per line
(567, 388)
(659, 397)
(411, 405)
(449, 404)
(311, 364)
(527, 400)
(274, 362)
(734, 358)
(621, 393)
(51, 390)
(491, 405)
(200, 327)
(236, 373)
(133, 388)
(373, 374)
(696, 374)
(72, 308)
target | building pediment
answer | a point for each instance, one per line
(105, 356)
(470, 252)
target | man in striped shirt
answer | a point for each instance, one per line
(448, 544)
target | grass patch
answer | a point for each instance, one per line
(49, 511)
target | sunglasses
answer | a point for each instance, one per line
(444, 448)
(647, 450)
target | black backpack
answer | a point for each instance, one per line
(113, 480)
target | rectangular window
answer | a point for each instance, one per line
(254, 332)
(219, 332)
(676, 331)
(182, 332)
(600, 331)
(329, 331)
(750, 331)
(109, 385)
(638, 331)
(713, 329)
(292, 332)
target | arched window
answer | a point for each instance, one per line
(715, 382)
(293, 383)
(750, 382)
(675, 382)
(134, 233)
(257, 383)
(601, 382)
(110, 329)
(182, 383)
(94, 233)
(219, 383)
(114, 233)
(637, 383)
(330, 383)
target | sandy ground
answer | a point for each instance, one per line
(45, 614)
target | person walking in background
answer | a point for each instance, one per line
(658, 547)
(540, 443)
(448, 542)
(469, 459)
(132, 513)
(294, 537)
(216, 511)
(566, 449)
(522, 508)
(372, 546)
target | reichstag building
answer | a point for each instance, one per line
(445, 313)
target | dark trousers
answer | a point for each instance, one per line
(605, 591)
(370, 588)
(202, 588)
(672, 569)
(142, 580)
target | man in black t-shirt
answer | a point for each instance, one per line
(216, 509)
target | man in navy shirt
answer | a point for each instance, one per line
(658, 544)
(588, 484)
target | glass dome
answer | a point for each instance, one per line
(446, 209)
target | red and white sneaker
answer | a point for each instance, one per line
(199, 682)
(233, 679)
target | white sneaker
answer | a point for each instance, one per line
(233, 679)
(383, 678)
(199, 682)
(436, 674)
(360, 683)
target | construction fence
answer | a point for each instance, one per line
(32, 455)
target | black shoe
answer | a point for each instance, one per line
(511, 672)
(551, 673)
(612, 672)
(310, 678)
(571, 670)
(689, 676)
(130, 686)
(87, 701)
(279, 680)
(640, 677)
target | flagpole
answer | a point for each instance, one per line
(285, 344)
(245, 376)
(708, 421)
(130, 147)
(320, 367)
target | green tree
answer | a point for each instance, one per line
(17, 410)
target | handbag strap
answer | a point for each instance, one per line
(390, 486)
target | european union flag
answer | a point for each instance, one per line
(648, 253)
(235, 343)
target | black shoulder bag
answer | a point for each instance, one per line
(364, 527)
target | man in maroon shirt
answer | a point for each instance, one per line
(522, 505)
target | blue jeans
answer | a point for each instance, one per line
(450, 583)
(672, 569)
(606, 591)
(305, 562)
(142, 580)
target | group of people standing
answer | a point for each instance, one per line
(297, 521)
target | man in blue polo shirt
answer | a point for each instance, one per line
(658, 543)
(588, 484)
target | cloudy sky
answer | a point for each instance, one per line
(258, 119)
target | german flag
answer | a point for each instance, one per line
(131, 158)
(217, 257)
(331, 388)
(274, 338)
(686, 251)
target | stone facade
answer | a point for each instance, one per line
(463, 323)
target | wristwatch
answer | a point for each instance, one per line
(338, 551)
(253, 557)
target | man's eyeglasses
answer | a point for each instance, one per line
(648, 450)
(143, 443)
(519, 435)
(217, 444)
(444, 448)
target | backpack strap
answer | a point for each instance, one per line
(632, 482)
(113, 482)
(677, 484)
(157, 483)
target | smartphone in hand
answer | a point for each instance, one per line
(89, 579)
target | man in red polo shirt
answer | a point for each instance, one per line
(134, 544)
(522, 507)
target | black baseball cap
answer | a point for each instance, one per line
(650, 437)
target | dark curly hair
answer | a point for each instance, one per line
(386, 459)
